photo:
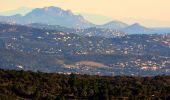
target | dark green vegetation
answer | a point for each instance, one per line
(30, 85)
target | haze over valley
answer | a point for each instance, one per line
(68, 43)
(84, 50)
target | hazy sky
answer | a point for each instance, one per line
(147, 12)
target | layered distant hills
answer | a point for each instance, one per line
(46, 48)
(117, 25)
(65, 18)
(138, 29)
(51, 39)
(49, 15)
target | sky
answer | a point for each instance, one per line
(147, 12)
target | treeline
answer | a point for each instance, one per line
(51, 86)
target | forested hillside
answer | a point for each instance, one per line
(49, 86)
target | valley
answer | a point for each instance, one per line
(32, 48)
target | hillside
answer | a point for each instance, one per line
(28, 85)
(36, 49)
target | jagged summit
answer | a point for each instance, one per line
(57, 16)
(54, 11)
(50, 15)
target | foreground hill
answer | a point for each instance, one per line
(19, 85)
(30, 48)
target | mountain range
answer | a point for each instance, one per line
(137, 29)
(21, 10)
(65, 18)
(92, 31)
(55, 16)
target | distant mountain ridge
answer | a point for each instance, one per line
(117, 25)
(65, 18)
(137, 29)
(21, 10)
(49, 15)
(92, 31)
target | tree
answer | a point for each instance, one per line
(72, 80)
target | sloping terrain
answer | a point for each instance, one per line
(29, 48)
(29, 85)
